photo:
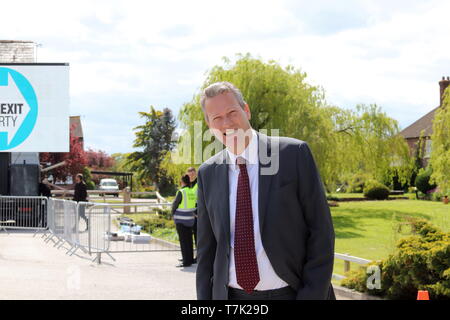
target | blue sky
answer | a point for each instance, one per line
(128, 55)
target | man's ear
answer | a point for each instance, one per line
(247, 111)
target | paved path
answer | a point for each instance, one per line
(32, 269)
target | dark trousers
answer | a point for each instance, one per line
(286, 293)
(187, 249)
(82, 214)
(279, 294)
(43, 215)
(194, 229)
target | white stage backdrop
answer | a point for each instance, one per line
(34, 107)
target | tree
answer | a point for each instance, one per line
(344, 142)
(279, 98)
(418, 158)
(99, 159)
(154, 139)
(75, 160)
(122, 164)
(172, 169)
(90, 184)
(369, 143)
(440, 153)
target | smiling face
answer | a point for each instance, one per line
(228, 121)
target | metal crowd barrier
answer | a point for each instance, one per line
(106, 236)
(23, 212)
(91, 227)
(95, 229)
(62, 223)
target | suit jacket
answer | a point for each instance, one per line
(80, 193)
(295, 221)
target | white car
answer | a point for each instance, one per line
(109, 185)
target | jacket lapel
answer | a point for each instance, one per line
(264, 152)
(223, 195)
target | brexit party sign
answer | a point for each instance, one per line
(34, 108)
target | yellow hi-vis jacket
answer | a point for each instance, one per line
(186, 210)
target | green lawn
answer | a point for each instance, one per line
(108, 200)
(346, 195)
(411, 196)
(368, 229)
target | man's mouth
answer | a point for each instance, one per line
(230, 132)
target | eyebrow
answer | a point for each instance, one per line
(233, 109)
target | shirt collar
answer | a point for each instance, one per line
(250, 154)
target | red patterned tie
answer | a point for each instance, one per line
(244, 241)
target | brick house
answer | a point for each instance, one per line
(425, 123)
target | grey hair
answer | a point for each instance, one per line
(217, 88)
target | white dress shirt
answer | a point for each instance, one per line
(269, 280)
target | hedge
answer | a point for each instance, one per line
(376, 191)
(423, 180)
(421, 262)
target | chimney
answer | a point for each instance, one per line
(443, 84)
(17, 51)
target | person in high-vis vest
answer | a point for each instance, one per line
(183, 212)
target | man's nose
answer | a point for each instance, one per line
(227, 123)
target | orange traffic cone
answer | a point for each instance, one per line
(423, 295)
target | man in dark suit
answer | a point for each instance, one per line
(81, 195)
(264, 226)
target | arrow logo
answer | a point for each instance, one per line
(13, 109)
(18, 108)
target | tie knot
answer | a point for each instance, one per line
(240, 161)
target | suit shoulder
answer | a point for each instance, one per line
(212, 162)
(291, 144)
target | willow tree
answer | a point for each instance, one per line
(369, 143)
(279, 98)
(342, 142)
(440, 153)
